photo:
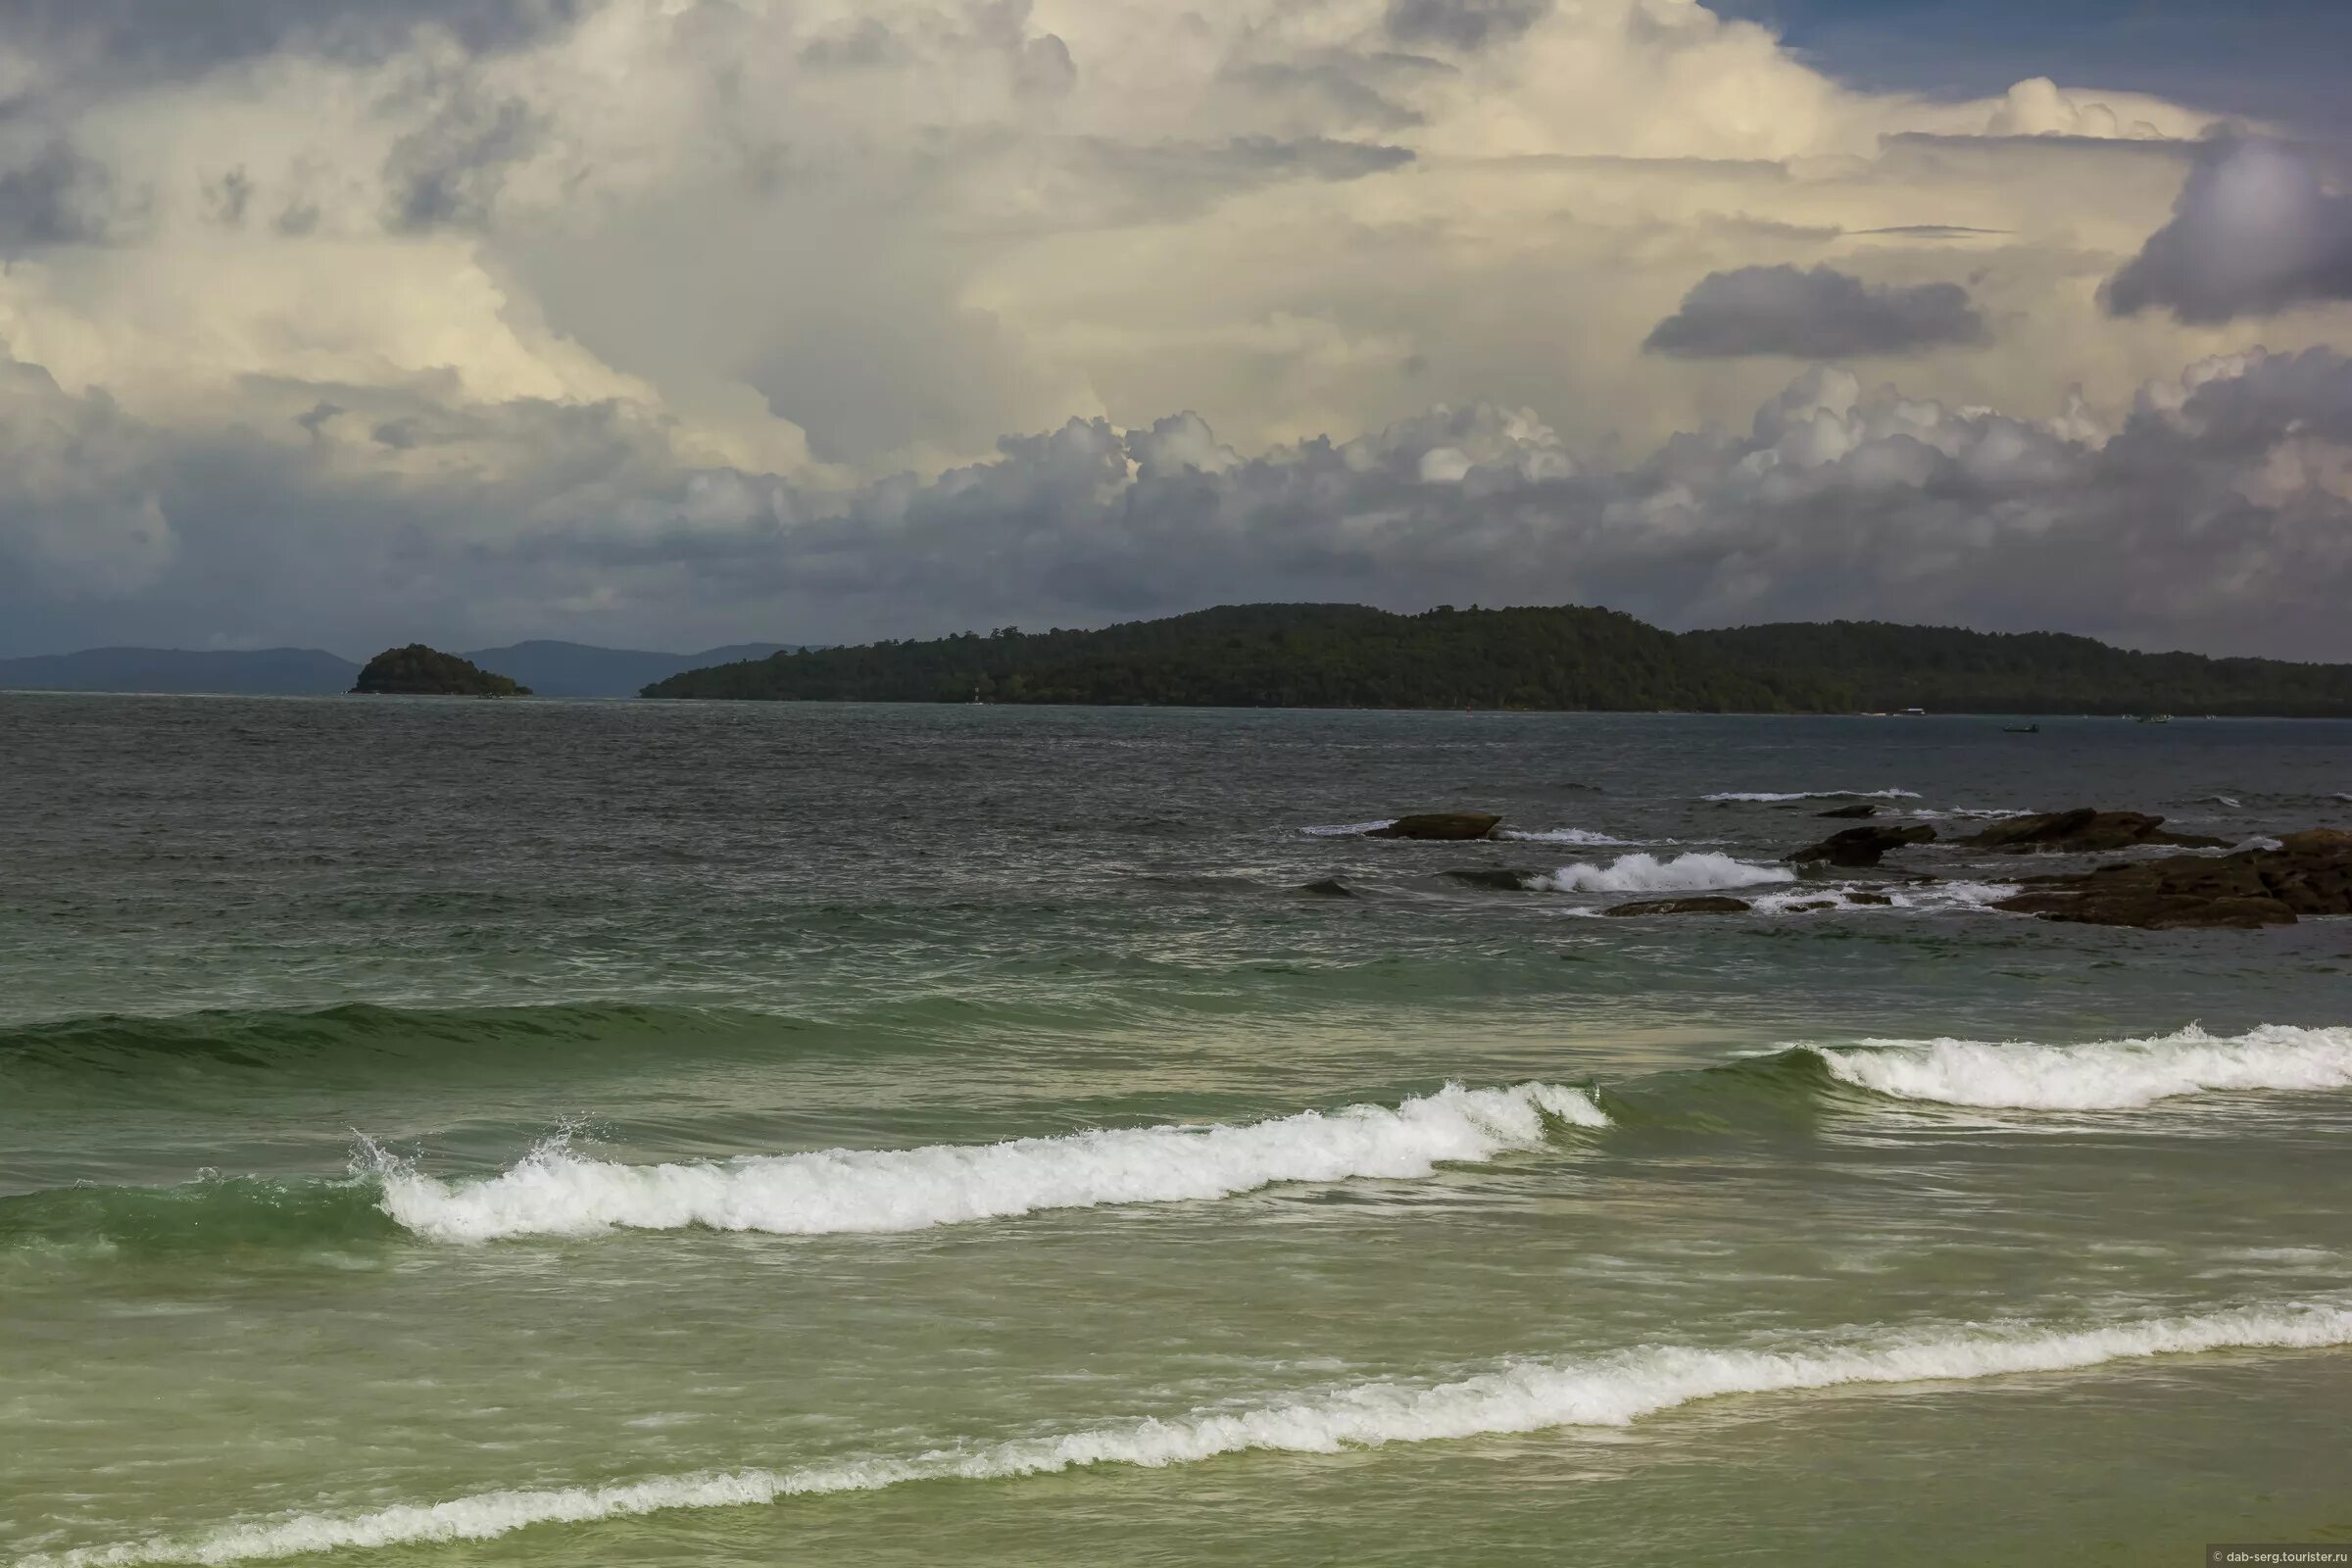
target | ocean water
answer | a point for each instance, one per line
(440, 1133)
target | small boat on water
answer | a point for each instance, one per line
(2021, 729)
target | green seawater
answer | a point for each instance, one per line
(438, 1132)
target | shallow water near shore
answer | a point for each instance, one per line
(648, 1134)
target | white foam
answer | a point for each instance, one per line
(1917, 896)
(554, 1191)
(1770, 797)
(1558, 835)
(1647, 873)
(2105, 1075)
(1345, 830)
(1516, 1396)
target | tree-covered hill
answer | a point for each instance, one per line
(1346, 655)
(1946, 669)
(420, 671)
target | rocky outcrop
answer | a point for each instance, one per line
(1443, 827)
(1859, 808)
(1500, 878)
(1709, 904)
(2082, 831)
(2307, 874)
(1862, 846)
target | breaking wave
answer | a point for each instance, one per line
(1771, 797)
(2105, 1075)
(1646, 873)
(554, 1191)
(1514, 1396)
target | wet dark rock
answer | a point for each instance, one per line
(1858, 808)
(1500, 878)
(2308, 874)
(1862, 846)
(1443, 826)
(1712, 904)
(2083, 831)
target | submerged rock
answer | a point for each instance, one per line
(1330, 887)
(2083, 830)
(1712, 904)
(1445, 826)
(1500, 878)
(1858, 808)
(2308, 874)
(1862, 846)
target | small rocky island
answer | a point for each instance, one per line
(420, 671)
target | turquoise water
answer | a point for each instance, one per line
(540, 1132)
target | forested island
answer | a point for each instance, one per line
(1567, 657)
(420, 671)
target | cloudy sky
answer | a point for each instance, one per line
(674, 322)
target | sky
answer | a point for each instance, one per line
(676, 323)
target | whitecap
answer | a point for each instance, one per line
(1769, 797)
(1559, 835)
(1514, 1396)
(554, 1192)
(1646, 873)
(2103, 1075)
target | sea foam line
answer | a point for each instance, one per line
(554, 1191)
(1516, 1396)
(1647, 873)
(2103, 1075)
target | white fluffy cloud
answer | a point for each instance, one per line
(637, 318)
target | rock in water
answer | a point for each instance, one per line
(2082, 831)
(1858, 808)
(1712, 904)
(1862, 846)
(1330, 887)
(1447, 826)
(2309, 873)
(1500, 878)
(420, 671)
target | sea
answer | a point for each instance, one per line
(455, 1132)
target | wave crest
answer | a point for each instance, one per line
(2104, 1075)
(1516, 1396)
(554, 1191)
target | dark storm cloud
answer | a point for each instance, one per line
(56, 196)
(1817, 315)
(449, 172)
(1462, 23)
(2214, 517)
(2256, 230)
(165, 39)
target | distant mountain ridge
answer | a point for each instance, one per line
(549, 668)
(1563, 657)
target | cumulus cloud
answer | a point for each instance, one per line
(2256, 229)
(1818, 315)
(632, 319)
